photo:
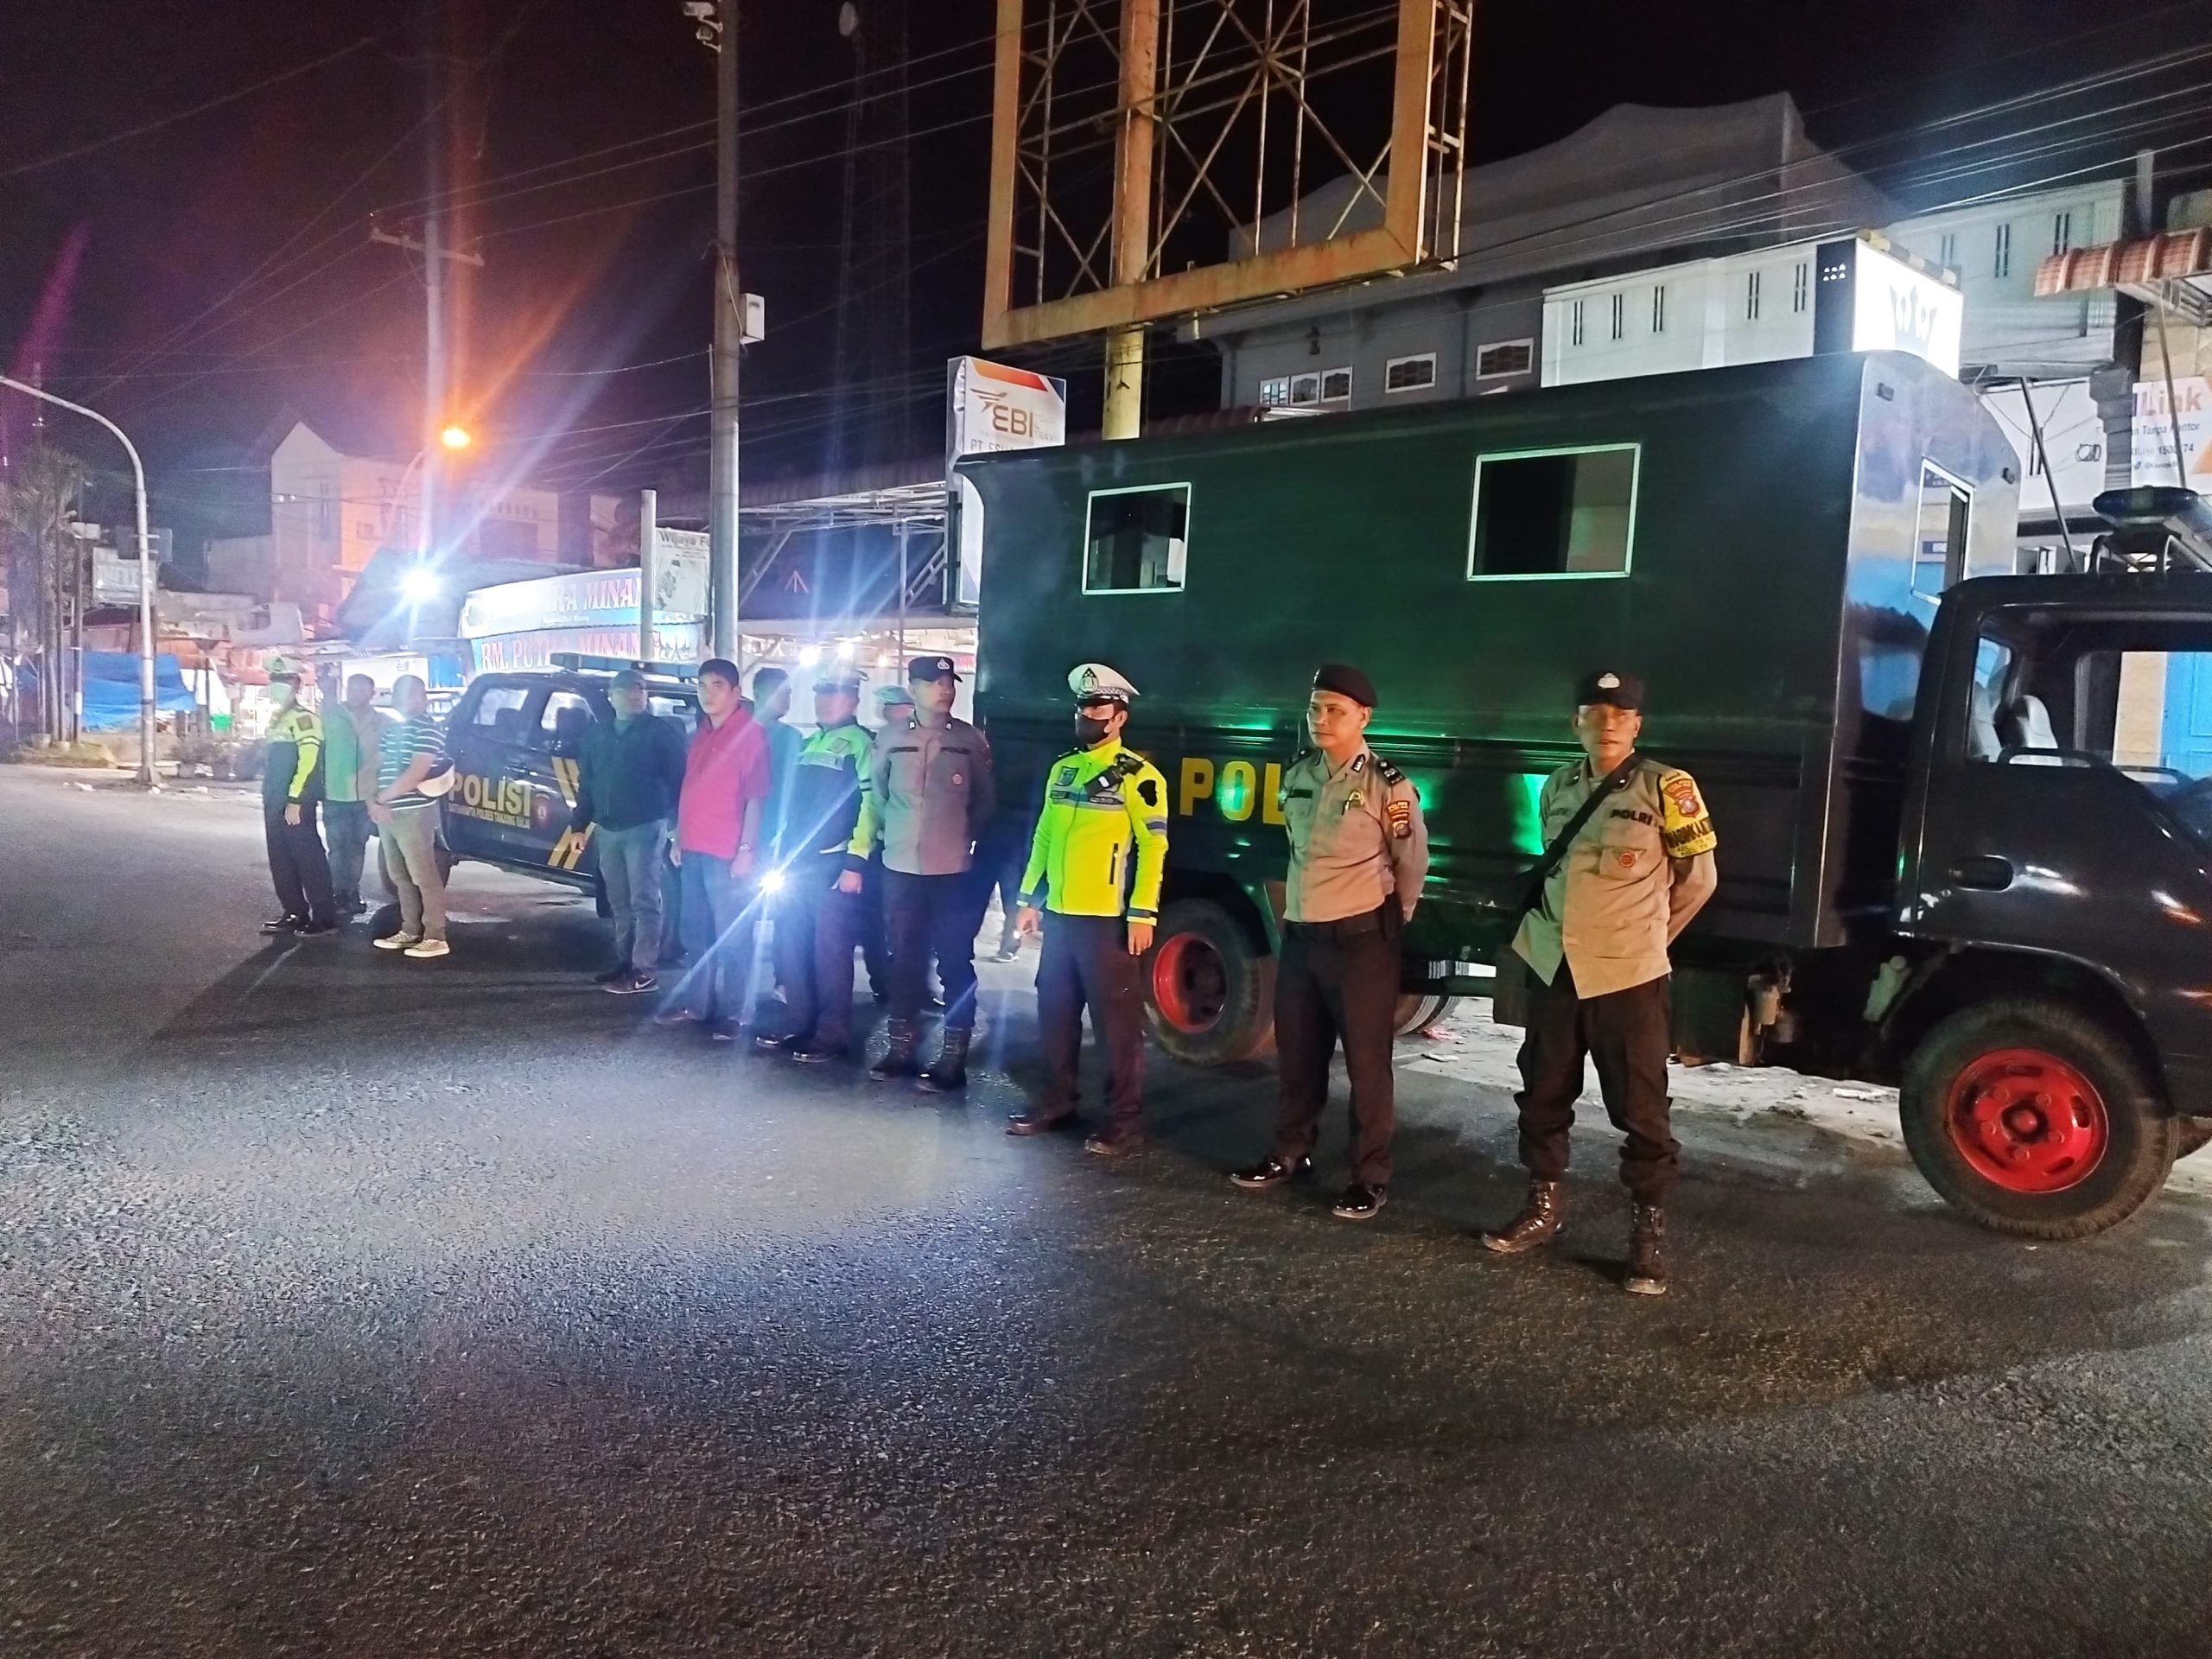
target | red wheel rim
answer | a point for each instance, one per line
(2026, 1121)
(1190, 982)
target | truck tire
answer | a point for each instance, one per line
(1418, 1014)
(1209, 995)
(2036, 1120)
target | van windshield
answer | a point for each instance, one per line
(2135, 695)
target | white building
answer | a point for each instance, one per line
(1761, 305)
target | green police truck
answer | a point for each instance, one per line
(1791, 555)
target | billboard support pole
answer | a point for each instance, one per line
(648, 569)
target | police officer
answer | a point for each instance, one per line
(1095, 864)
(1358, 854)
(1639, 869)
(932, 781)
(291, 788)
(827, 807)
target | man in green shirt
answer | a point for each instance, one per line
(352, 737)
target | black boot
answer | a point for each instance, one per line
(948, 1073)
(898, 1059)
(1538, 1220)
(1647, 1251)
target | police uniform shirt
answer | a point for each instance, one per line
(932, 789)
(1637, 873)
(1356, 836)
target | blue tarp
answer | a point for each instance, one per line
(111, 689)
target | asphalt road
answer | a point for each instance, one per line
(357, 1306)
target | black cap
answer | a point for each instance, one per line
(1346, 682)
(931, 668)
(1622, 690)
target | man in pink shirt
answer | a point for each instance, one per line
(718, 817)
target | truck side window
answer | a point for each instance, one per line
(1135, 541)
(1992, 661)
(1555, 512)
(567, 717)
(499, 711)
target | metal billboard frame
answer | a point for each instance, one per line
(1421, 204)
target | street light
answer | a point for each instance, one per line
(421, 585)
(145, 577)
(455, 437)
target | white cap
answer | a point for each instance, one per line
(1094, 683)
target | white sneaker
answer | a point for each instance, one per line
(425, 948)
(399, 940)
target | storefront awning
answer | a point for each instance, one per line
(2174, 269)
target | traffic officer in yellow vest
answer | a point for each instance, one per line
(1639, 869)
(291, 790)
(1358, 854)
(1095, 866)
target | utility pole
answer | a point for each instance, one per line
(436, 374)
(1133, 154)
(729, 321)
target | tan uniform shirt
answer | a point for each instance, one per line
(1635, 876)
(1356, 836)
(933, 792)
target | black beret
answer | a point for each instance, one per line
(1346, 682)
(1622, 690)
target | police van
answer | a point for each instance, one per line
(517, 741)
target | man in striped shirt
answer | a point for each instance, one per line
(412, 750)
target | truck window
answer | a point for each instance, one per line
(1135, 540)
(562, 728)
(499, 712)
(1555, 512)
(1939, 548)
(2132, 696)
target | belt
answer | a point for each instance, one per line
(1350, 927)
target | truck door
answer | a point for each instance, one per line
(558, 745)
(485, 740)
(2070, 806)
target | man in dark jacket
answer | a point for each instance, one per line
(632, 773)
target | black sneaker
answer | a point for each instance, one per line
(1027, 1124)
(1359, 1202)
(315, 929)
(1272, 1172)
(1113, 1145)
(613, 975)
(820, 1055)
(284, 924)
(722, 1030)
(632, 985)
(790, 1043)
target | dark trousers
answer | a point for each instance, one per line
(719, 915)
(875, 946)
(297, 864)
(1334, 986)
(815, 929)
(347, 825)
(1628, 1033)
(1086, 963)
(932, 916)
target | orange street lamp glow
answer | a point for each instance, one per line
(455, 437)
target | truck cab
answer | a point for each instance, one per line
(2050, 995)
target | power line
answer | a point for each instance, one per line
(141, 130)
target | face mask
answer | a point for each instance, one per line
(1089, 731)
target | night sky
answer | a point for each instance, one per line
(199, 279)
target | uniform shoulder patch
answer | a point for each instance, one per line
(1390, 773)
(1686, 824)
(1149, 789)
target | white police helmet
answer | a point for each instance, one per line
(1096, 682)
